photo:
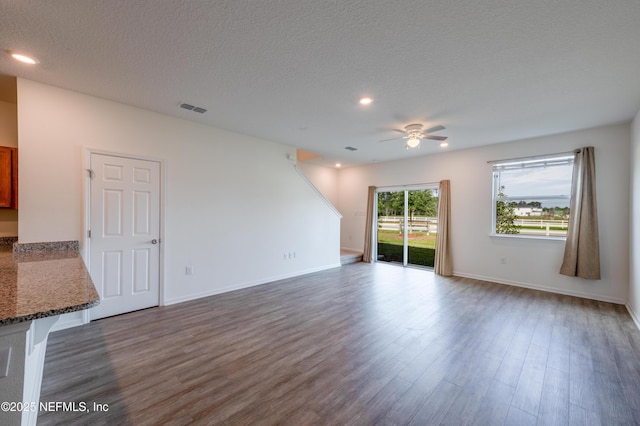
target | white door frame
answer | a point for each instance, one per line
(86, 249)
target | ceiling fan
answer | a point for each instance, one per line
(414, 134)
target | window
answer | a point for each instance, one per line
(532, 196)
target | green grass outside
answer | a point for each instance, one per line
(416, 239)
(417, 255)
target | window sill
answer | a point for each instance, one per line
(528, 237)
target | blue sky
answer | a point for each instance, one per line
(538, 181)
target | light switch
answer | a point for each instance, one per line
(5, 359)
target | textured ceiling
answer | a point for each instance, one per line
(291, 71)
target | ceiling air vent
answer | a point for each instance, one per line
(193, 108)
(350, 148)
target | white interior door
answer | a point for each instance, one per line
(125, 233)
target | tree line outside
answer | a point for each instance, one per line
(549, 212)
(425, 203)
(420, 203)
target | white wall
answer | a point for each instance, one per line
(233, 204)
(634, 286)
(531, 263)
(323, 178)
(8, 137)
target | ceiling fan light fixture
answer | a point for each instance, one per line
(415, 133)
(413, 142)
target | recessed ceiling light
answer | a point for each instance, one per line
(23, 58)
(365, 100)
(444, 144)
(338, 165)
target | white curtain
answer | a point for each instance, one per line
(582, 248)
(367, 256)
(443, 263)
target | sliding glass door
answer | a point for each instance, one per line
(406, 226)
(391, 234)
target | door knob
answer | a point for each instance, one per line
(154, 241)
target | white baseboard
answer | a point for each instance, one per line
(542, 288)
(352, 249)
(240, 286)
(634, 316)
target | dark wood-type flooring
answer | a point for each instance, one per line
(357, 345)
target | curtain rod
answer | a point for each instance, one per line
(534, 157)
(413, 185)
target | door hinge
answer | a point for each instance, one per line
(89, 233)
(91, 173)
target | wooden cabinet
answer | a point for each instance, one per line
(8, 177)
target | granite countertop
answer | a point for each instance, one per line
(42, 284)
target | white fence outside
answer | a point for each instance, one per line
(543, 227)
(430, 225)
(416, 224)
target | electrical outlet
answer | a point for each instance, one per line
(503, 260)
(284, 256)
(188, 270)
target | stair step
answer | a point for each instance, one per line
(350, 256)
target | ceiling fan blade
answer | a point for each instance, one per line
(435, 129)
(392, 139)
(399, 131)
(436, 138)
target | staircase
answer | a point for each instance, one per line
(350, 256)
